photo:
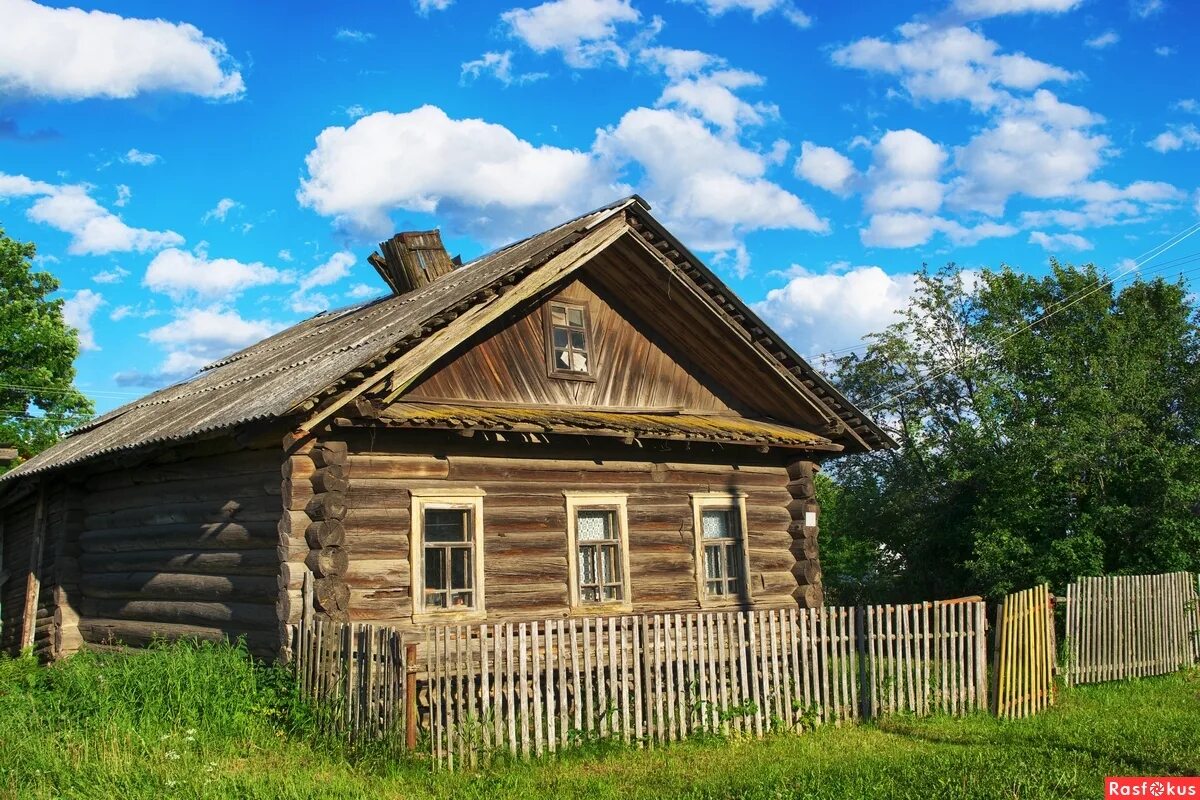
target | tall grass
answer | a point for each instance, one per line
(202, 720)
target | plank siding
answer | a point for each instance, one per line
(631, 367)
(181, 549)
(18, 539)
(525, 526)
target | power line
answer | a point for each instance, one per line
(1063, 304)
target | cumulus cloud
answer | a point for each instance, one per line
(1106, 39)
(182, 275)
(950, 63)
(425, 6)
(757, 8)
(1176, 137)
(196, 337)
(823, 311)
(1059, 241)
(351, 35)
(72, 54)
(980, 9)
(585, 32)
(124, 193)
(94, 230)
(905, 173)
(221, 210)
(114, 275)
(499, 66)
(476, 174)
(826, 168)
(911, 229)
(77, 312)
(331, 271)
(141, 158)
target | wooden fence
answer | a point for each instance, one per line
(1024, 653)
(1131, 626)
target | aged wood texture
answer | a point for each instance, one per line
(804, 530)
(183, 548)
(1023, 678)
(631, 367)
(18, 543)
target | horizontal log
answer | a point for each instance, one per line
(330, 505)
(136, 633)
(263, 561)
(178, 586)
(243, 510)
(181, 492)
(332, 596)
(804, 550)
(256, 616)
(774, 583)
(330, 479)
(326, 533)
(244, 463)
(297, 467)
(293, 524)
(297, 493)
(523, 569)
(380, 603)
(810, 596)
(807, 573)
(362, 467)
(382, 573)
(326, 453)
(328, 562)
(207, 536)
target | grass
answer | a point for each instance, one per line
(190, 720)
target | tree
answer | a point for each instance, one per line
(38, 402)
(1028, 452)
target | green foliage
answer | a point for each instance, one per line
(1063, 450)
(37, 399)
(203, 721)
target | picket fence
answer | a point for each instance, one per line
(1131, 626)
(1025, 653)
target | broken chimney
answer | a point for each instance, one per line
(411, 260)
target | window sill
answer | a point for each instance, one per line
(572, 376)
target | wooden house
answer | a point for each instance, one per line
(586, 421)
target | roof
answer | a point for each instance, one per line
(298, 367)
(607, 422)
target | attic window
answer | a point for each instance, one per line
(568, 348)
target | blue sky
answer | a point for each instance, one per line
(200, 180)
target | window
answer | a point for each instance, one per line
(567, 342)
(447, 552)
(597, 533)
(720, 524)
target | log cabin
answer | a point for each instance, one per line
(587, 421)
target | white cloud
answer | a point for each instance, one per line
(425, 6)
(360, 290)
(1188, 105)
(1176, 137)
(77, 312)
(583, 31)
(124, 193)
(94, 230)
(350, 35)
(905, 173)
(980, 9)
(711, 97)
(355, 111)
(499, 66)
(1164, 51)
(141, 158)
(180, 274)
(826, 168)
(221, 210)
(1106, 39)
(196, 337)
(1059, 241)
(757, 8)
(1145, 9)
(954, 63)
(820, 312)
(911, 229)
(284, 255)
(114, 275)
(710, 189)
(333, 270)
(475, 174)
(72, 54)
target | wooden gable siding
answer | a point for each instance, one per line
(186, 548)
(525, 531)
(632, 366)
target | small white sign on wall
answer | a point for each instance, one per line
(810, 519)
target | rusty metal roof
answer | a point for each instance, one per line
(607, 422)
(269, 379)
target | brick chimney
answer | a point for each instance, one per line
(411, 260)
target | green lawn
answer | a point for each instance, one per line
(201, 722)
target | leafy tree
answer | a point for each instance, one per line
(37, 399)
(1027, 454)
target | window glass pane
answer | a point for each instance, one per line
(560, 337)
(460, 568)
(461, 599)
(733, 566)
(579, 362)
(608, 563)
(575, 317)
(595, 525)
(558, 315)
(446, 525)
(712, 562)
(435, 568)
(577, 340)
(718, 524)
(587, 565)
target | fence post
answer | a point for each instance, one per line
(410, 696)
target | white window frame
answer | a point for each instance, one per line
(581, 501)
(470, 499)
(728, 501)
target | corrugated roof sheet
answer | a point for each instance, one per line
(268, 379)
(645, 425)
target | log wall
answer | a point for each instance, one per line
(18, 527)
(525, 538)
(187, 548)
